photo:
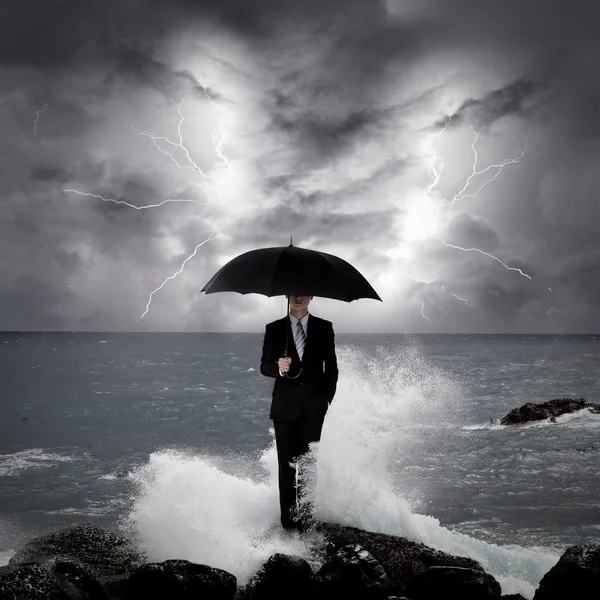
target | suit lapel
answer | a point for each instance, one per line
(292, 352)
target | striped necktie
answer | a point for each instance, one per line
(300, 339)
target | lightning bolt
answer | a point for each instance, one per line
(221, 143)
(461, 299)
(37, 117)
(461, 194)
(218, 144)
(435, 170)
(429, 283)
(210, 237)
(435, 174)
(485, 254)
(418, 280)
(423, 312)
(138, 207)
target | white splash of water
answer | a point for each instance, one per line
(189, 508)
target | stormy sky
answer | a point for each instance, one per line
(449, 149)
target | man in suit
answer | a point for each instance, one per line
(305, 384)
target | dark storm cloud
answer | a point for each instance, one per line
(582, 271)
(322, 228)
(320, 136)
(26, 309)
(46, 33)
(379, 175)
(505, 303)
(514, 99)
(58, 119)
(48, 173)
(132, 64)
(325, 110)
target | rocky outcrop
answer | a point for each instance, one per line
(401, 559)
(50, 580)
(354, 565)
(466, 584)
(181, 580)
(106, 557)
(104, 553)
(575, 575)
(282, 576)
(547, 410)
(352, 572)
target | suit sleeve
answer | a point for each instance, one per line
(331, 369)
(268, 362)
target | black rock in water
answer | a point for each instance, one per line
(547, 410)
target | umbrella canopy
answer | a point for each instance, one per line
(291, 270)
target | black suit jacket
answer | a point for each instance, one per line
(313, 391)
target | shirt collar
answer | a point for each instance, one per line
(304, 319)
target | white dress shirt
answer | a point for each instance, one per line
(294, 320)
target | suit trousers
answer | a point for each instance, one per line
(292, 439)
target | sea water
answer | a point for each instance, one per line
(166, 437)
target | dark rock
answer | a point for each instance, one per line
(282, 576)
(51, 580)
(30, 582)
(116, 588)
(454, 582)
(575, 575)
(181, 580)
(401, 559)
(547, 410)
(352, 573)
(77, 582)
(104, 553)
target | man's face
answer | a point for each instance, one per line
(299, 302)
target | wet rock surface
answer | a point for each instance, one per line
(353, 564)
(547, 410)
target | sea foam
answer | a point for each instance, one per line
(217, 511)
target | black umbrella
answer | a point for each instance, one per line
(288, 270)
